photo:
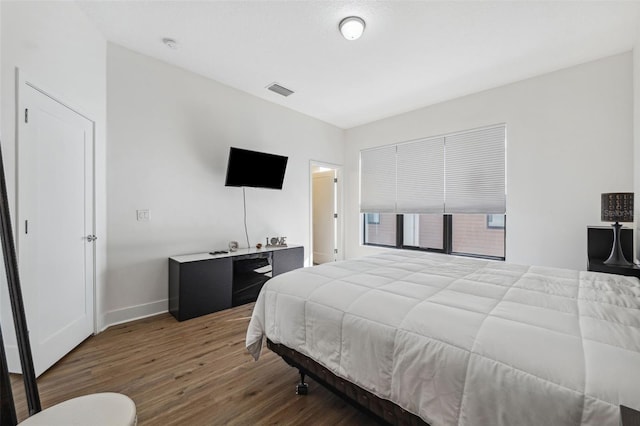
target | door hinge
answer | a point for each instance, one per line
(335, 251)
(335, 180)
(26, 115)
(335, 215)
(26, 226)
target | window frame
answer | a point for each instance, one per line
(447, 238)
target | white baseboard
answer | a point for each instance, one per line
(132, 313)
(109, 319)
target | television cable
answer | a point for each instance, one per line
(244, 198)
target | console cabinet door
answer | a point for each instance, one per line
(200, 288)
(287, 260)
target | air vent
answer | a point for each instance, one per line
(275, 87)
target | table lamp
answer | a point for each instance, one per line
(617, 207)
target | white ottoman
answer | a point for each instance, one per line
(98, 409)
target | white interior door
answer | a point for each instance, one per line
(324, 220)
(55, 225)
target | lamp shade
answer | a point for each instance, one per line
(617, 207)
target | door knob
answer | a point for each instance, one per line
(91, 238)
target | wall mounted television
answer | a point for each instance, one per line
(255, 169)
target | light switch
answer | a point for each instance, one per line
(143, 215)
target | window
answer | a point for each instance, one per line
(423, 231)
(373, 218)
(382, 232)
(445, 193)
(495, 221)
(471, 234)
(461, 234)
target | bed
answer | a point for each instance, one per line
(461, 341)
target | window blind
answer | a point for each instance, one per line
(378, 180)
(475, 171)
(457, 173)
(420, 176)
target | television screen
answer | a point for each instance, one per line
(255, 169)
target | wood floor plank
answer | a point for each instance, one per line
(194, 372)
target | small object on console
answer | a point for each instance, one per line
(277, 242)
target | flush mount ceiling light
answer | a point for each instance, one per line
(170, 43)
(352, 27)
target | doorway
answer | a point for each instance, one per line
(326, 215)
(54, 224)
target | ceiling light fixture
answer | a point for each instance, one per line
(352, 27)
(170, 43)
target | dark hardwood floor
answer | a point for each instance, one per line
(195, 372)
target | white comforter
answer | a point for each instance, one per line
(462, 341)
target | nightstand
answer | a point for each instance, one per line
(599, 266)
(599, 242)
(629, 416)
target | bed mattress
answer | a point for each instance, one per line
(462, 341)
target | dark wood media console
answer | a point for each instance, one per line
(203, 283)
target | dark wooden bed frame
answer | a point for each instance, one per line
(385, 410)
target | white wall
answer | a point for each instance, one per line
(569, 139)
(60, 51)
(169, 136)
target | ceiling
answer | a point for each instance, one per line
(412, 53)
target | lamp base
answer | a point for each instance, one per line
(616, 258)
